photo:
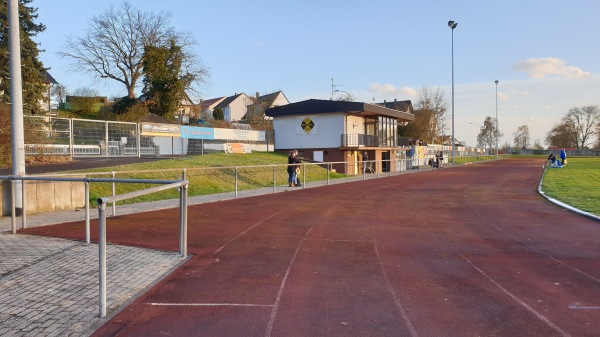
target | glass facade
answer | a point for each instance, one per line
(387, 129)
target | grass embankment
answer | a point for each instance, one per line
(576, 184)
(207, 174)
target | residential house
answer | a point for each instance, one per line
(234, 107)
(187, 109)
(45, 103)
(256, 111)
(339, 131)
(207, 107)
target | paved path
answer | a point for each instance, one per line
(49, 286)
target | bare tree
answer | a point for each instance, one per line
(432, 100)
(585, 122)
(488, 133)
(521, 137)
(113, 45)
(59, 93)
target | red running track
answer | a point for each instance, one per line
(469, 251)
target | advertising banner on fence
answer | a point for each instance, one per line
(236, 134)
(161, 130)
(194, 132)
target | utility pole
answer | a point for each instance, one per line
(16, 100)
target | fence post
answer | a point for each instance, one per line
(102, 257)
(236, 182)
(183, 194)
(114, 207)
(328, 167)
(87, 212)
(24, 205)
(304, 175)
(71, 144)
(106, 138)
(274, 178)
(13, 220)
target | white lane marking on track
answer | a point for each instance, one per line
(246, 231)
(578, 306)
(413, 331)
(210, 305)
(575, 269)
(280, 292)
(516, 299)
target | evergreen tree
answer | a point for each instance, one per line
(31, 67)
(163, 86)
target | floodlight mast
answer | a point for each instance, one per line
(452, 25)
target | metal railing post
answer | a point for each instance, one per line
(87, 212)
(13, 220)
(183, 194)
(114, 207)
(102, 258)
(24, 205)
(304, 175)
(328, 167)
(236, 182)
(274, 178)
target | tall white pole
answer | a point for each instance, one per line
(16, 97)
(497, 119)
(452, 25)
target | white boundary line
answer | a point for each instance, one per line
(246, 231)
(271, 323)
(516, 299)
(411, 328)
(210, 305)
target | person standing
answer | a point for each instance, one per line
(293, 162)
(563, 157)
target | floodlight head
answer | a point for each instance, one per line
(452, 24)
(496, 82)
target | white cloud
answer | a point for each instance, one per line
(387, 89)
(549, 66)
(502, 96)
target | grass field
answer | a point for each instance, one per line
(576, 184)
(207, 174)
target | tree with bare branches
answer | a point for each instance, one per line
(585, 121)
(488, 134)
(433, 104)
(113, 45)
(521, 137)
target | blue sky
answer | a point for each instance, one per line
(544, 53)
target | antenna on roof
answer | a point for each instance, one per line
(333, 88)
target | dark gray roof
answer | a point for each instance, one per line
(225, 103)
(318, 106)
(405, 106)
(48, 78)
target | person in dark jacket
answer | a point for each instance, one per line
(293, 162)
(563, 156)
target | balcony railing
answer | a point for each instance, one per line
(356, 140)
